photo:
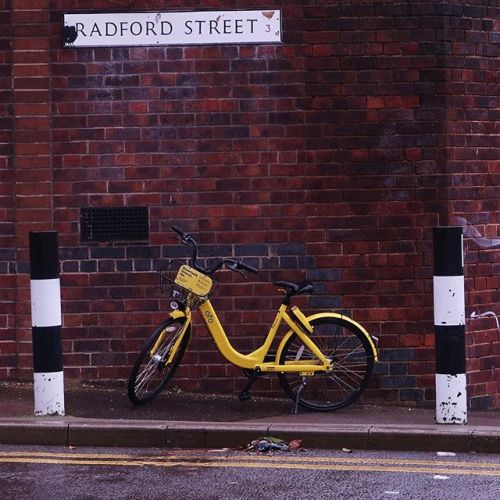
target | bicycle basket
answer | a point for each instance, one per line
(184, 285)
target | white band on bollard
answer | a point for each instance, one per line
(46, 302)
(452, 398)
(49, 393)
(449, 300)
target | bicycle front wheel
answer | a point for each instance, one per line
(154, 365)
(350, 354)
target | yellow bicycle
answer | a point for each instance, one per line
(323, 362)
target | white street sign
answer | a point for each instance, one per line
(171, 28)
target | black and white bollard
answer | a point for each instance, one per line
(46, 321)
(449, 326)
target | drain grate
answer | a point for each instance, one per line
(114, 224)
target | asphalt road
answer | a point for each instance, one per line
(59, 473)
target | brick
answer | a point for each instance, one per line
(332, 157)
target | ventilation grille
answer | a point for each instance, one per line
(114, 224)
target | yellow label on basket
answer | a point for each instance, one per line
(193, 280)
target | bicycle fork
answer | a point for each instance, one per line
(166, 358)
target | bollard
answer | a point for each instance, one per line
(46, 323)
(449, 326)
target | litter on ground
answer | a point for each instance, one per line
(270, 443)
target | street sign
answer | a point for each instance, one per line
(171, 28)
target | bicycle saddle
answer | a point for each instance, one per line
(295, 288)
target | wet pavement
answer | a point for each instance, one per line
(104, 416)
(34, 473)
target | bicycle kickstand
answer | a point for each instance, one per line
(295, 410)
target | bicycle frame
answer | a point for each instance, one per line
(255, 359)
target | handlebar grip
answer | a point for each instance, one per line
(178, 231)
(247, 267)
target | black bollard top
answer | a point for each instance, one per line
(44, 255)
(448, 251)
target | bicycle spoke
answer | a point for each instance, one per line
(344, 383)
(358, 349)
(348, 351)
(299, 353)
(151, 373)
(150, 369)
(144, 376)
(296, 382)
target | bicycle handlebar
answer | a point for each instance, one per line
(234, 265)
(179, 231)
(187, 239)
(247, 267)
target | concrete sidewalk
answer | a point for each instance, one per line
(104, 417)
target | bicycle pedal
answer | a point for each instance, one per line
(245, 396)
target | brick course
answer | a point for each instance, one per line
(328, 157)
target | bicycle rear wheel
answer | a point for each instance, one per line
(151, 372)
(352, 360)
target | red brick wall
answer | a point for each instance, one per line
(329, 157)
(472, 175)
(8, 347)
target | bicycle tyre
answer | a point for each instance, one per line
(149, 375)
(352, 358)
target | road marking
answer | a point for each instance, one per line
(166, 464)
(247, 457)
(285, 462)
